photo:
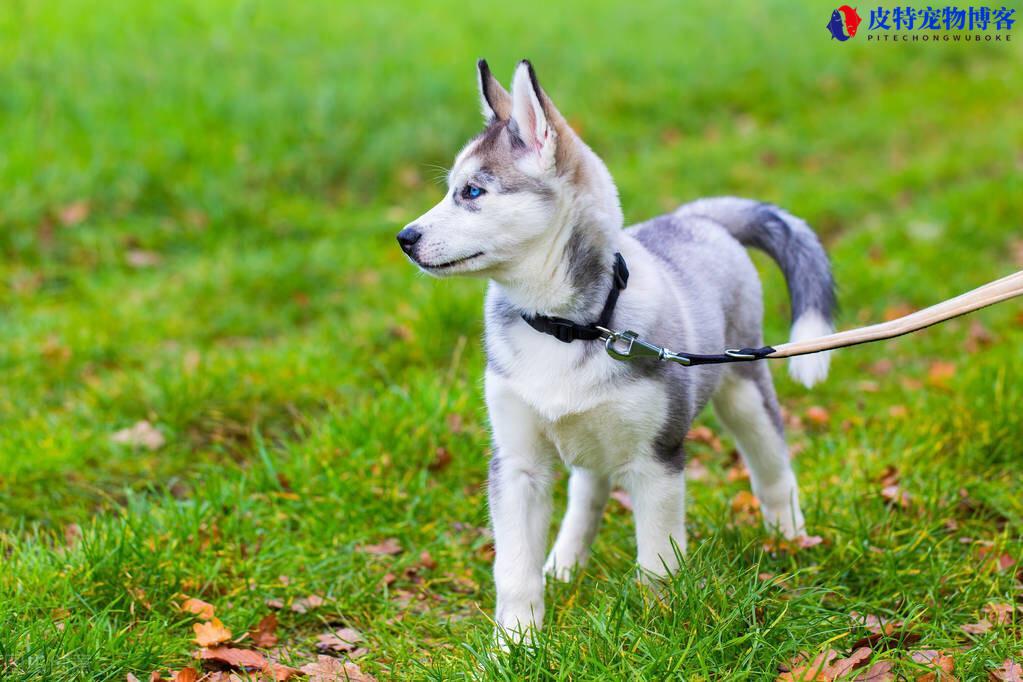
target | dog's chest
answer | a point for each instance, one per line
(608, 436)
(597, 414)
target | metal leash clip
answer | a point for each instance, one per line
(627, 345)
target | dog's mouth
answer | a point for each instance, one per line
(450, 263)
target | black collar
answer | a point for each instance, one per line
(567, 330)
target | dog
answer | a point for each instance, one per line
(532, 208)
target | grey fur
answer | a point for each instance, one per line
(787, 239)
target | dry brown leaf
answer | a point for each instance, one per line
(221, 657)
(141, 258)
(211, 633)
(74, 213)
(818, 416)
(894, 312)
(881, 367)
(329, 669)
(1016, 246)
(281, 673)
(622, 498)
(703, 434)
(896, 496)
(185, 675)
(940, 372)
(843, 666)
(155, 676)
(978, 628)
(898, 411)
(876, 624)
(426, 561)
(745, 502)
(387, 547)
(264, 635)
(142, 434)
(999, 613)
(1008, 671)
(200, 608)
(441, 460)
(131, 678)
(978, 337)
(942, 665)
(804, 670)
(306, 604)
(879, 672)
(275, 604)
(345, 639)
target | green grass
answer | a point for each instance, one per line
(304, 375)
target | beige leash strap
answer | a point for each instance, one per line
(981, 297)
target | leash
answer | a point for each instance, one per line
(627, 345)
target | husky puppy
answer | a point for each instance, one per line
(534, 210)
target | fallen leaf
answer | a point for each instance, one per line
(345, 639)
(703, 434)
(197, 606)
(896, 496)
(426, 561)
(879, 672)
(843, 666)
(155, 676)
(185, 675)
(978, 628)
(275, 604)
(818, 416)
(978, 337)
(1008, 671)
(804, 671)
(999, 613)
(622, 498)
(131, 678)
(233, 658)
(896, 311)
(746, 508)
(264, 635)
(306, 604)
(1016, 246)
(211, 633)
(939, 662)
(876, 624)
(281, 672)
(74, 213)
(140, 258)
(142, 434)
(329, 669)
(898, 411)
(881, 367)
(441, 460)
(737, 472)
(940, 372)
(387, 547)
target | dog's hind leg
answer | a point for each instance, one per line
(747, 405)
(587, 496)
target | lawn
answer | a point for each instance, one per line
(199, 202)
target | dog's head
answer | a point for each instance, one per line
(510, 187)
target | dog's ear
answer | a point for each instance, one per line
(533, 114)
(494, 99)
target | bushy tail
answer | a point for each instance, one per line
(796, 249)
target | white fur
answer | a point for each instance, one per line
(740, 407)
(810, 369)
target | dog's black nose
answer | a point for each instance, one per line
(408, 238)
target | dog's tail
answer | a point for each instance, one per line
(796, 249)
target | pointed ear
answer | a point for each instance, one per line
(494, 99)
(531, 113)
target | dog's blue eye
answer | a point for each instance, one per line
(472, 192)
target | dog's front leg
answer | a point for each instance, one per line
(520, 511)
